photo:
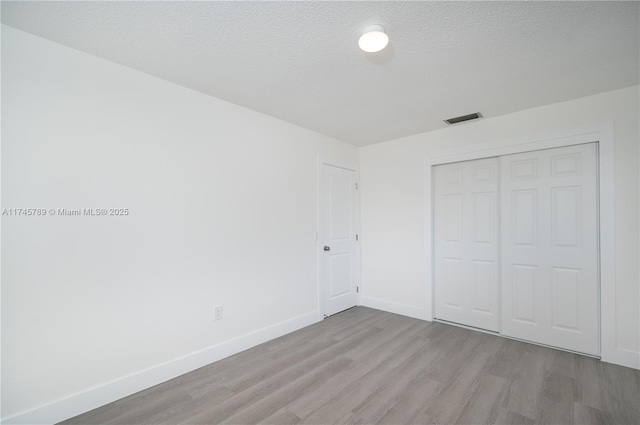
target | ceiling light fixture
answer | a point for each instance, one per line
(373, 39)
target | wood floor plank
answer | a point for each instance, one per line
(384, 397)
(608, 388)
(506, 417)
(341, 403)
(366, 360)
(589, 416)
(278, 380)
(484, 404)
(282, 417)
(277, 400)
(264, 370)
(556, 399)
(505, 362)
(525, 388)
(176, 413)
(405, 410)
(454, 397)
(365, 366)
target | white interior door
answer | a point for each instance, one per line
(550, 247)
(338, 212)
(467, 243)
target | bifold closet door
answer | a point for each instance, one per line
(466, 243)
(549, 247)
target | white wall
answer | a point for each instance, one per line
(393, 197)
(223, 210)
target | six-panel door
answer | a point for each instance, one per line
(466, 243)
(550, 247)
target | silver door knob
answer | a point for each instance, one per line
(327, 248)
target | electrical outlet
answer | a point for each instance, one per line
(217, 312)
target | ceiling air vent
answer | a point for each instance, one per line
(463, 118)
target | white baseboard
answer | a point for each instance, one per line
(397, 308)
(622, 357)
(108, 392)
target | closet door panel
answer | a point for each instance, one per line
(549, 247)
(466, 242)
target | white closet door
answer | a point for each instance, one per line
(466, 243)
(550, 247)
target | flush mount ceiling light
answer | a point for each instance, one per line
(373, 39)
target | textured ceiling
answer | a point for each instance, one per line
(299, 61)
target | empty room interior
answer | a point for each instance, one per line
(372, 212)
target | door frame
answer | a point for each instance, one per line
(603, 134)
(345, 165)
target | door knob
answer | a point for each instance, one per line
(327, 248)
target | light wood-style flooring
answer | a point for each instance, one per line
(365, 366)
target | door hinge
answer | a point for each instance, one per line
(357, 289)
(356, 186)
(356, 237)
